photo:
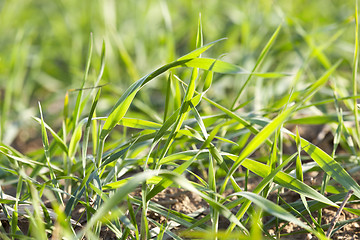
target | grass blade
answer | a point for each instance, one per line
(264, 51)
(284, 180)
(330, 166)
(47, 156)
(276, 210)
(257, 141)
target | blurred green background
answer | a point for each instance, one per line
(43, 50)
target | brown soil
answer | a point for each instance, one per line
(189, 203)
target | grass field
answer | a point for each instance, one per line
(249, 108)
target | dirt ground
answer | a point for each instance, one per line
(191, 204)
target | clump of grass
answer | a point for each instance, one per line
(194, 142)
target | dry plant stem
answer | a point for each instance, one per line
(337, 215)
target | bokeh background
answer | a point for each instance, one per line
(43, 51)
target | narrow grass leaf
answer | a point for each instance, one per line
(284, 180)
(139, 123)
(47, 155)
(215, 65)
(276, 210)
(199, 35)
(113, 157)
(77, 110)
(167, 97)
(14, 220)
(186, 155)
(298, 168)
(355, 72)
(330, 166)
(87, 131)
(262, 56)
(257, 141)
(102, 64)
(208, 80)
(316, 120)
(212, 235)
(116, 115)
(75, 139)
(25, 160)
(256, 224)
(271, 75)
(37, 225)
(57, 138)
(66, 108)
(197, 52)
(300, 177)
(200, 122)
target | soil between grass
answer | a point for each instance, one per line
(189, 203)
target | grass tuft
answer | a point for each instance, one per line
(250, 144)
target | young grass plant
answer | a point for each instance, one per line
(113, 166)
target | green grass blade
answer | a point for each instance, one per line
(47, 155)
(355, 72)
(276, 210)
(200, 122)
(66, 109)
(262, 56)
(215, 65)
(208, 80)
(330, 166)
(57, 138)
(234, 116)
(256, 224)
(102, 63)
(167, 98)
(298, 168)
(199, 35)
(139, 123)
(77, 110)
(87, 131)
(116, 115)
(284, 180)
(36, 220)
(300, 177)
(75, 139)
(315, 120)
(257, 141)
(212, 186)
(197, 52)
(113, 157)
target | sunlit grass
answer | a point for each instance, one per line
(211, 114)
